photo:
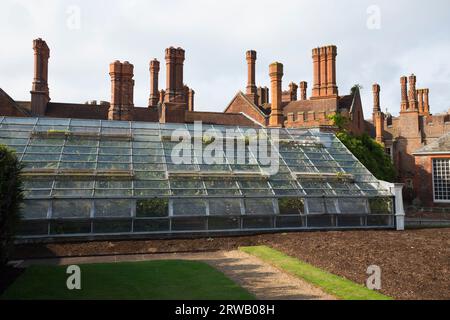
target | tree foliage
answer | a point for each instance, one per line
(11, 197)
(368, 151)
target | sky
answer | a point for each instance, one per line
(378, 41)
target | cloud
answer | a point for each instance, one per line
(216, 34)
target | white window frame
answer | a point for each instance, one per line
(432, 175)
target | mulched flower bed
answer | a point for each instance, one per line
(415, 264)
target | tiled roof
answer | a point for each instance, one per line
(441, 145)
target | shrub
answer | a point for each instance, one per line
(371, 154)
(11, 197)
(368, 151)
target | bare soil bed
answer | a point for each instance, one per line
(415, 264)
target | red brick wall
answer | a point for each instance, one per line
(8, 106)
(423, 181)
(239, 105)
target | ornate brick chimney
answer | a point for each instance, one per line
(413, 105)
(323, 71)
(40, 95)
(126, 112)
(115, 71)
(426, 102)
(303, 90)
(404, 106)
(263, 95)
(419, 95)
(378, 116)
(154, 91)
(324, 74)
(376, 98)
(251, 89)
(276, 75)
(122, 87)
(293, 88)
(162, 94)
(316, 73)
(191, 100)
(174, 75)
(332, 89)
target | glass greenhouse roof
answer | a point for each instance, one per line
(88, 169)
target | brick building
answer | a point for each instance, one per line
(433, 172)
(290, 110)
(409, 134)
(415, 128)
(173, 104)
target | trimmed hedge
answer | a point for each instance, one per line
(11, 197)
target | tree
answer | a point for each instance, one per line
(368, 151)
(11, 196)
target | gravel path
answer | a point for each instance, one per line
(258, 277)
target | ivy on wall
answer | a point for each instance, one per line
(368, 151)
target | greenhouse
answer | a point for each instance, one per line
(117, 178)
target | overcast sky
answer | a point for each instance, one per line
(378, 41)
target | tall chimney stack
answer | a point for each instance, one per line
(122, 87)
(126, 112)
(162, 94)
(251, 89)
(412, 93)
(174, 75)
(40, 95)
(378, 116)
(303, 89)
(376, 98)
(154, 91)
(332, 89)
(316, 71)
(426, 102)
(324, 65)
(323, 71)
(191, 100)
(404, 106)
(179, 59)
(293, 88)
(115, 71)
(276, 75)
(419, 94)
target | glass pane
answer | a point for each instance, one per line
(259, 206)
(291, 206)
(112, 208)
(188, 224)
(152, 208)
(316, 206)
(353, 205)
(112, 226)
(71, 208)
(151, 225)
(224, 207)
(257, 222)
(184, 207)
(70, 227)
(381, 205)
(35, 209)
(223, 223)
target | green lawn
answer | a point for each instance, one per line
(330, 283)
(157, 280)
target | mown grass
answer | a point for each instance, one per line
(154, 280)
(335, 285)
